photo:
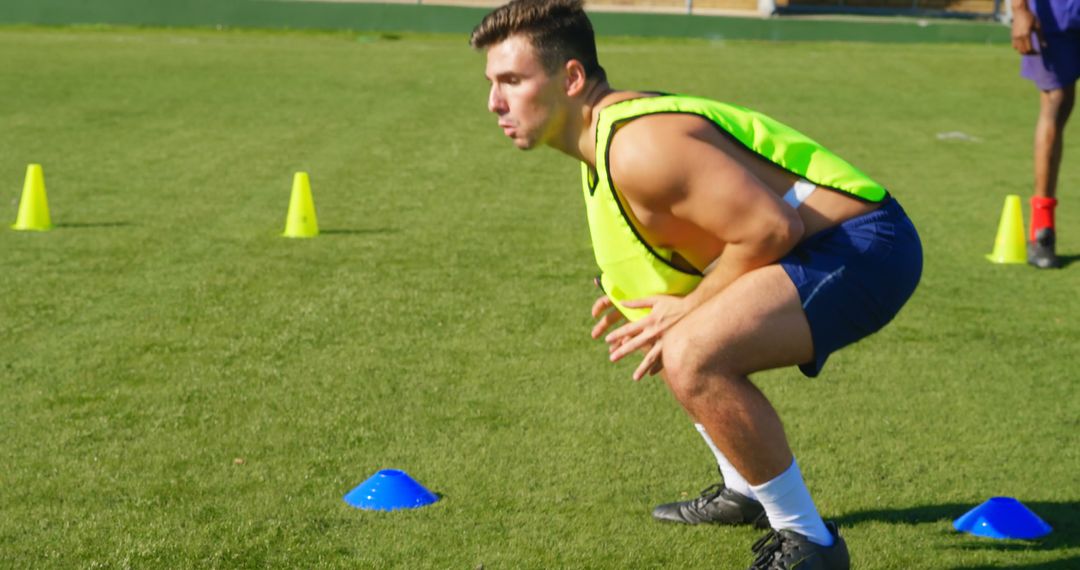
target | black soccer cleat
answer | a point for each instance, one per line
(1040, 252)
(787, 550)
(718, 505)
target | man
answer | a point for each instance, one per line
(1047, 35)
(733, 244)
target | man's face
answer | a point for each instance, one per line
(528, 100)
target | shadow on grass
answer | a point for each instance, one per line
(1064, 518)
(1065, 261)
(370, 38)
(1071, 563)
(81, 225)
(360, 232)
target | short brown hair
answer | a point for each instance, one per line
(559, 30)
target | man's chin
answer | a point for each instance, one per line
(524, 144)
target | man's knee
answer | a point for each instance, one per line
(688, 369)
(1058, 103)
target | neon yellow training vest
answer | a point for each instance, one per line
(632, 268)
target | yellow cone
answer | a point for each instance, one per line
(33, 206)
(301, 222)
(1010, 245)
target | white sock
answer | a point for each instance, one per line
(788, 505)
(732, 479)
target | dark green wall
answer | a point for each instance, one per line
(416, 18)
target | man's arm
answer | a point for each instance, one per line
(682, 178)
(1024, 23)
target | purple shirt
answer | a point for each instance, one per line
(1057, 16)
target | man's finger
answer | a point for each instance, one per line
(648, 362)
(602, 304)
(631, 345)
(627, 330)
(605, 323)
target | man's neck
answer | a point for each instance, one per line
(579, 140)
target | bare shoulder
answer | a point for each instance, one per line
(651, 158)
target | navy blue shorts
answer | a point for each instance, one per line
(853, 278)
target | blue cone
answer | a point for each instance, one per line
(388, 490)
(1002, 517)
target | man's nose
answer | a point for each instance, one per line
(496, 104)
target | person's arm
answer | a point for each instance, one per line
(1024, 22)
(683, 177)
(729, 202)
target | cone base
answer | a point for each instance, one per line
(1004, 259)
(20, 228)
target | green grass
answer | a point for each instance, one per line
(164, 331)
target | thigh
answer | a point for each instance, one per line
(756, 324)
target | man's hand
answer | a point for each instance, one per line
(647, 334)
(1023, 24)
(606, 314)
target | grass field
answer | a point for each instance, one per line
(181, 387)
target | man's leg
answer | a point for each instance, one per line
(755, 324)
(1055, 106)
(729, 502)
(732, 478)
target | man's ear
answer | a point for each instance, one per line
(575, 78)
